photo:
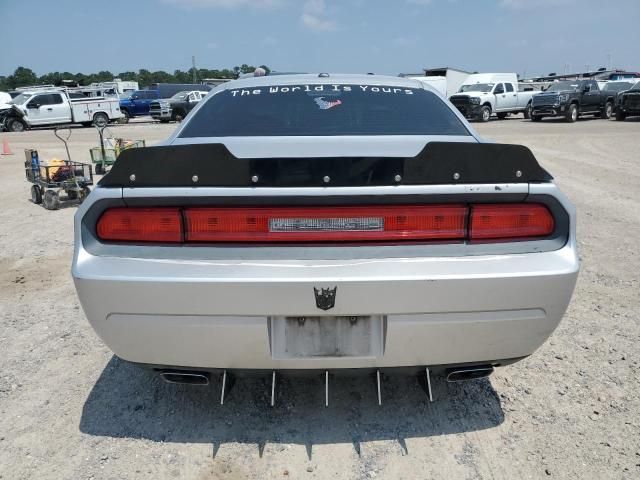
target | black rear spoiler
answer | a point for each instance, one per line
(213, 165)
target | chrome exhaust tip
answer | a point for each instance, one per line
(185, 378)
(468, 373)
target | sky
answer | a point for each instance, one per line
(529, 37)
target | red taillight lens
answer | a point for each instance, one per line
(325, 224)
(504, 221)
(163, 225)
(391, 223)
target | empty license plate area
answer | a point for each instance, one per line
(326, 336)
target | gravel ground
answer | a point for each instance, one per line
(69, 409)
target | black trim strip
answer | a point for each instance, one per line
(213, 165)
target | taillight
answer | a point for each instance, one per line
(371, 223)
(160, 225)
(325, 224)
(505, 221)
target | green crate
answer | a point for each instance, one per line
(109, 155)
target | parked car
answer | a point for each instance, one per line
(628, 103)
(571, 99)
(484, 94)
(325, 223)
(139, 102)
(610, 92)
(176, 107)
(45, 107)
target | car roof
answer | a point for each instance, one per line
(324, 79)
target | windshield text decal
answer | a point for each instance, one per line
(325, 89)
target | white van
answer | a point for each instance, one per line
(439, 84)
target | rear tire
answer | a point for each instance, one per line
(100, 120)
(572, 113)
(51, 200)
(620, 116)
(485, 113)
(527, 111)
(607, 111)
(36, 194)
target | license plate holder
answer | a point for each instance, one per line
(357, 336)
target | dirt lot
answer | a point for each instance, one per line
(70, 410)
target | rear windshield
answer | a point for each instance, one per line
(314, 110)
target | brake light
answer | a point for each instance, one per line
(325, 224)
(160, 225)
(504, 221)
(371, 223)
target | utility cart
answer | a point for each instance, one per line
(110, 147)
(73, 178)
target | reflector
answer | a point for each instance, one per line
(504, 221)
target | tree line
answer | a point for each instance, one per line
(23, 77)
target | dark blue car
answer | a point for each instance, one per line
(138, 103)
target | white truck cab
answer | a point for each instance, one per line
(484, 94)
(40, 107)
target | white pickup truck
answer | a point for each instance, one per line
(38, 108)
(484, 94)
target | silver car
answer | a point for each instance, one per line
(321, 222)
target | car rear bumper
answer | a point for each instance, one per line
(220, 314)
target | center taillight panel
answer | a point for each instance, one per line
(325, 224)
(321, 224)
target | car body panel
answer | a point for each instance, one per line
(490, 306)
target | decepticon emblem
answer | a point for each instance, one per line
(324, 105)
(325, 297)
